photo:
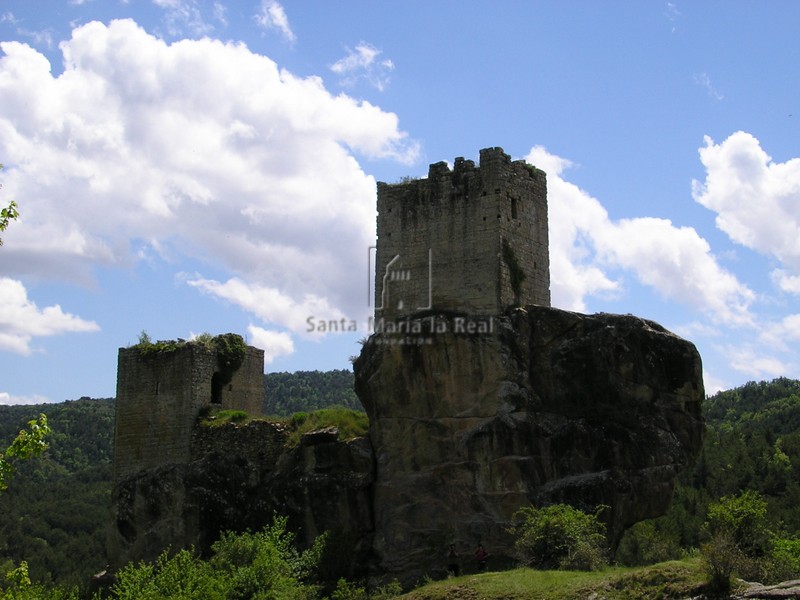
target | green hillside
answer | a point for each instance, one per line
(56, 509)
(304, 391)
(752, 442)
(55, 512)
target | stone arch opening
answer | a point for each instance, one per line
(217, 384)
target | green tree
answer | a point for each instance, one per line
(736, 527)
(744, 518)
(19, 587)
(560, 537)
(258, 565)
(28, 443)
(7, 214)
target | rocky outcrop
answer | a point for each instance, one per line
(786, 589)
(237, 479)
(472, 418)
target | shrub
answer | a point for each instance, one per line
(722, 557)
(183, 575)
(297, 419)
(264, 564)
(393, 589)
(346, 590)
(739, 541)
(560, 537)
(645, 544)
(744, 518)
(783, 563)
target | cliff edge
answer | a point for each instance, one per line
(472, 418)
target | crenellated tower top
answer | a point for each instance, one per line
(471, 240)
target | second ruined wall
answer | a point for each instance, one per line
(159, 397)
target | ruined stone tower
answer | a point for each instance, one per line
(160, 395)
(472, 240)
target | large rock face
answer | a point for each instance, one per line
(470, 419)
(237, 479)
(538, 405)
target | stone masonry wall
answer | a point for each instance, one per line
(440, 239)
(159, 397)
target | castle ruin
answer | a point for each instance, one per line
(473, 240)
(548, 406)
(161, 394)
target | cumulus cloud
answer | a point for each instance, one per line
(779, 335)
(363, 63)
(271, 15)
(197, 149)
(7, 399)
(586, 246)
(757, 201)
(785, 282)
(21, 320)
(273, 343)
(270, 304)
(755, 362)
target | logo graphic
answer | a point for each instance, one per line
(398, 278)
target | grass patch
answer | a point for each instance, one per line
(350, 423)
(674, 579)
(218, 418)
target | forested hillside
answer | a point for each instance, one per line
(752, 442)
(55, 512)
(56, 509)
(303, 391)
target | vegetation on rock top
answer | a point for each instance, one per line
(349, 423)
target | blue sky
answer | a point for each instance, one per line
(186, 166)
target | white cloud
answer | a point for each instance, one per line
(712, 385)
(679, 265)
(673, 14)
(779, 335)
(183, 15)
(786, 282)
(274, 343)
(7, 399)
(197, 149)
(21, 320)
(791, 327)
(273, 306)
(757, 201)
(363, 63)
(271, 15)
(219, 10)
(574, 274)
(756, 362)
(586, 245)
(703, 80)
